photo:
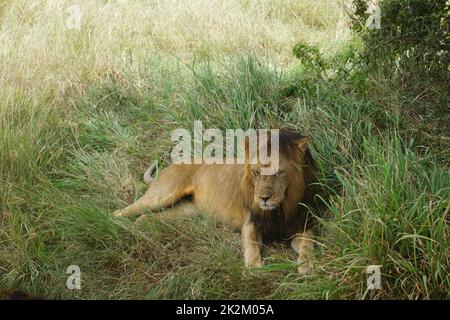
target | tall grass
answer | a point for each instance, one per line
(82, 113)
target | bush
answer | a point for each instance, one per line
(413, 35)
(308, 55)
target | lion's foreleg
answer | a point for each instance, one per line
(303, 244)
(251, 245)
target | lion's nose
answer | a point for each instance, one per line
(264, 199)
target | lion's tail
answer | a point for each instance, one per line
(148, 175)
(148, 178)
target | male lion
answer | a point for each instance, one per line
(264, 207)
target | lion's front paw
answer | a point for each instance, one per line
(253, 263)
(305, 266)
(256, 264)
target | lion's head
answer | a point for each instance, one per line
(282, 181)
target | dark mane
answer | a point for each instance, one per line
(288, 140)
(278, 224)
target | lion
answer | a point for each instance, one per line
(265, 208)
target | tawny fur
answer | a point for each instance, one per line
(233, 195)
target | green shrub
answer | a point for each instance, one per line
(413, 35)
(309, 55)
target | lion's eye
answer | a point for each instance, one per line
(278, 173)
(255, 172)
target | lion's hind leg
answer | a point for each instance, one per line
(171, 186)
(183, 209)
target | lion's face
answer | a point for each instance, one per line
(270, 185)
(271, 180)
(270, 188)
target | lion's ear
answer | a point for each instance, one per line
(302, 143)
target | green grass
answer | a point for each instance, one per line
(69, 157)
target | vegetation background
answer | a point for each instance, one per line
(84, 111)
